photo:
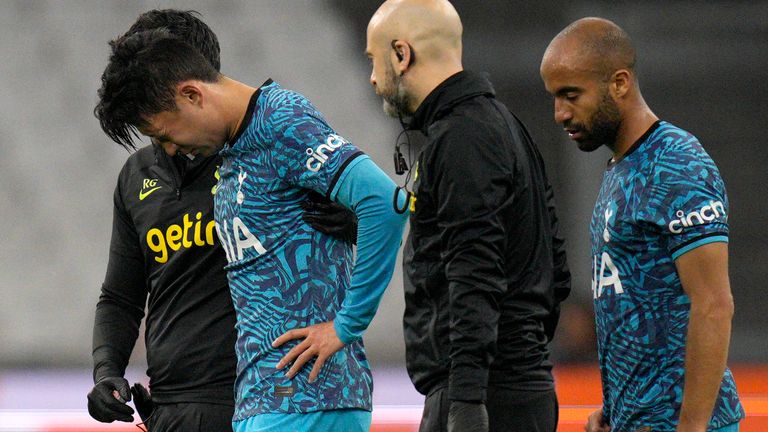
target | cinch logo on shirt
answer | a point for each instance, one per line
(176, 236)
(707, 213)
(317, 157)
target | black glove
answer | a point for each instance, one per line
(330, 218)
(104, 406)
(467, 417)
(142, 401)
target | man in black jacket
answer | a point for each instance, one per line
(485, 269)
(164, 246)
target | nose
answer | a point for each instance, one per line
(562, 113)
(373, 78)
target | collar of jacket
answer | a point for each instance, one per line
(166, 163)
(454, 90)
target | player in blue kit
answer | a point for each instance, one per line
(659, 235)
(298, 300)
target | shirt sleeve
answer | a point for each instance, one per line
(123, 296)
(686, 201)
(365, 189)
(308, 153)
(471, 186)
(562, 274)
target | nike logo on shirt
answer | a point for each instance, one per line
(144, 194)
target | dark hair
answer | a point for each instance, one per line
(140, 80)
(185, 25)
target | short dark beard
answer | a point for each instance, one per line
(397, 101)
(604, 126)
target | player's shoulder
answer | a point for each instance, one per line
(677, 143)
(146, 155)
(139, 160)
(134, 171)
(288, 111)
(679, 150)
(278, 98)
(452, 133)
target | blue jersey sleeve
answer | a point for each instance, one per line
(366, 189)
(686, 201)
(307, 153)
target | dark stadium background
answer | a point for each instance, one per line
(702, 66)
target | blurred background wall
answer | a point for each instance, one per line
(702, 66)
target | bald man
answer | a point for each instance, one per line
(659, 244)
(484, 267)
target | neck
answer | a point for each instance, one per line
(235, 96)
(634, 124)
(433, 77)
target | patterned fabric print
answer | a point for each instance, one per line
(663, 199)
(282, 273)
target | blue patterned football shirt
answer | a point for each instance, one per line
(282, 273)
(664, 198)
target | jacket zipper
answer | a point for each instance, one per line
(175, 175)
(177, 178)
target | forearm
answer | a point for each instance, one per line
(115, 330)
(473, 334)
(709, 332)
(476, 285)
(368, 192)
(473, 249)
(123, 295)
(118, 316)
(562, 274)
(561, 282)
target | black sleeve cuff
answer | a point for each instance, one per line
(467, 384)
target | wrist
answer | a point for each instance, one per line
(102, 375)
(467, 417)
(466, 394)
(687, 424)
(683, 428)
(105, 365)
(467, 402)
(344, 336)
(467, 384)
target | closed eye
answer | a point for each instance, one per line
(568, 93)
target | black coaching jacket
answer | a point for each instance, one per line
(484, 266)
(165, 253)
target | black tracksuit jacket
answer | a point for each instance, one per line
(484, 266)
(164, 247)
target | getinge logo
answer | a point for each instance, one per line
(188, 234)
(318, 157)
(707, 213)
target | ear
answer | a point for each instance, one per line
(621, 82)
(190, 92)
(402, 55)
